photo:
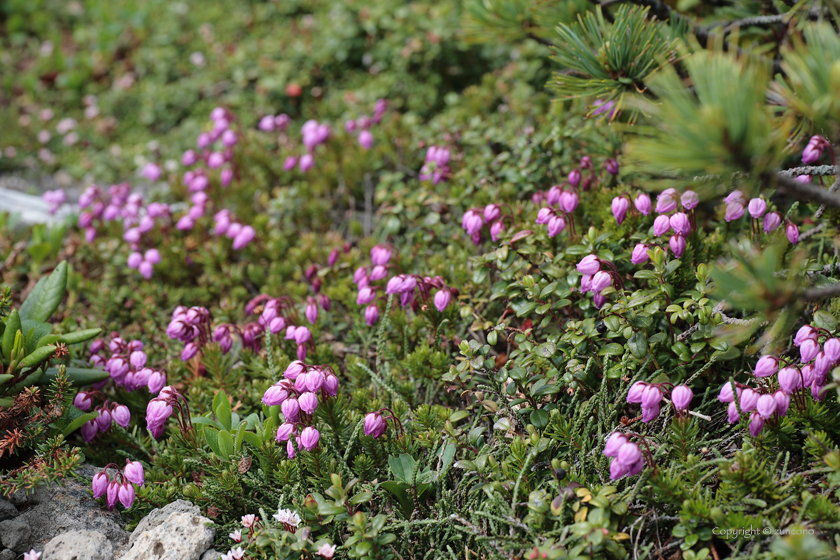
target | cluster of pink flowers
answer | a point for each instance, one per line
(121, 203)
(109, 412)
(161, 408)
(376, 424)
(669, 219)
(270, 123)
(277, 315)
(144, 262)
(406, 285)
(627, 458)
(137, 220)
(225, 224)
(556, 218)
(123, 490)
(474, 220)
(737, 206)
(55, 199)
(436, 167)
(768, 398)
(192, 327)
(649, 395)
(297, 394)
(363, 124)
(598, 274)
(127, 364)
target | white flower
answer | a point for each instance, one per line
(234, 554)
(236, 536)
(249, 520)
(326, 550)
(32, 555)
(287, 517)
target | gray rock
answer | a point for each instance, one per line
(7, 554)
(160, 515)
(7, 510)
(182, 535)
(18, 499)
(54, 510)
(79, 545)
(211, 554)
(15, 534)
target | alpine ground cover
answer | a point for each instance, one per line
(377, 279)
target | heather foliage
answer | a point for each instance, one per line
(499, 279)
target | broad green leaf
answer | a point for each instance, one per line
(212, 437)
(402, 496)
(221, 408)
(46, 296)
(37, 356)
(402, 467)
(78, 376)
(77, 337)
(637, 344)
(611, 349)
(33, 331)
(226, 444)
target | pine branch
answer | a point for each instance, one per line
(812, 170)
(807, 192)
(663, 12)
(816, 294)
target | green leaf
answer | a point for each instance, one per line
(77, 423)
(78, 376)
(78, 337)
(46, 296)
(48, 339)
(226, 444)
(637, 344)
(729, 354)
(402, 467)
(13, 325)
(400, 493)
(546, 349)
(252, 439)
(212, 437)
(539, 418)
(240, 434)
(825, 320)
(204, 421)
(446, 457)
(611, 349)
(221, 408)
(37, 356)
(33, 331)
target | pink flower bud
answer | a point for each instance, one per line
(134, 472)
(640, 254)
(309, 438)
(666, 202)
(614, 443)
(589, 265)
(792, 233)
(680, 224)
(681, 397)
(374, 425)
(790, 379)
(308, 402)
(619, 208)
(642, 204)
(757, 208)
(661, 225)
(371, 315)
(569, 201)
(756, 423)
(734, 211)
(766, 366)
(442, 299)
(636, 392)
(99, 483)
(366, 139)
(121, 415)
(555, 225)
(126, 494)
(677, 244)
(689, 200)
(808, 350)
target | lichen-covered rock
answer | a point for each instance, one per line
(79, 545)
(7, 554)
(175, 532)
(50, 511)
(7, 510)
(16, 535)
(160, 515)
(211, 554)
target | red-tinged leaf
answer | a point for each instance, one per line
(521, 235)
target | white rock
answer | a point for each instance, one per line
(79, 545)
(181, 535)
